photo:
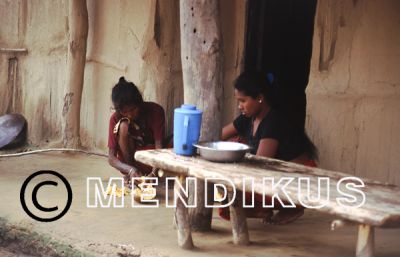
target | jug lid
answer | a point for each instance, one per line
(188, 108)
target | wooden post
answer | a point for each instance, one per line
(238, 220)
(182, 220)
(201, 55)
(200, 217)
(78, 32)
(365, 241)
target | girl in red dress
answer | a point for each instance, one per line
(135, 125)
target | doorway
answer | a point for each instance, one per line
(279, 42)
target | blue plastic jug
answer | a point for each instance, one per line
(187, 124)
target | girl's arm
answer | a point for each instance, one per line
(228, 131)
(122, 167)
(267, 147)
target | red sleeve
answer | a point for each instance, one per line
(112, 141)
(158, 124)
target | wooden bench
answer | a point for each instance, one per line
(381, 208)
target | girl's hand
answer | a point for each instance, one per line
(134, 174)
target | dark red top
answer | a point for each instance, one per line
(145, 130)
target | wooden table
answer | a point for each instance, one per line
(381, 207)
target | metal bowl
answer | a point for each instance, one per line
(222, 151)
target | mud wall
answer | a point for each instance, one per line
(353, 111)
(31, 83)
(135, 39)
(138, 39)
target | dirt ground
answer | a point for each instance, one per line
(7, 253)
(149, 232)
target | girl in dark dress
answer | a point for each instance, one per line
(270, 134)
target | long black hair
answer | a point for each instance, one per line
(125, 93)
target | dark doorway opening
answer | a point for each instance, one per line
(279, 41)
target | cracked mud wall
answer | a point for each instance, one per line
(353, 110)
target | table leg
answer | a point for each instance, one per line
(238, 220)
(365, 241)
(182, 220)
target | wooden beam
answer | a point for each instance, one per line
(78, 24)
(365, 241)
(13, 50)
(182, 221)
(238, 219)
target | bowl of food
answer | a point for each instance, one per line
(221, 151)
